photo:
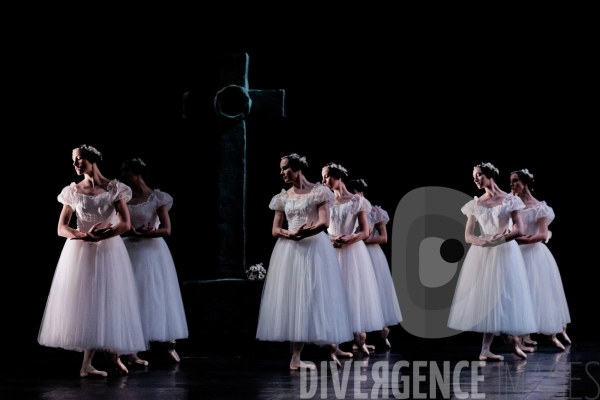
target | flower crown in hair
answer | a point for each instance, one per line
(362, 181)
(296, 156)
(490, 166)
(338, 166)
(526, 172)
(91, 149)
(139, 161)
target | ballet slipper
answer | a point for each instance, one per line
(174, 355)
(134, 359)
(335, 359)
(564, 334)
(488, 355)
(115, 360)
(525, 348)
(91, 371)
(517, 348)
(369, 346)
(557, 342)
(340, 353)
(364, 349)
(527, 341)
(297, 364)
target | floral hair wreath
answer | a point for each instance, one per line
(338, 166)
(362, 181)
(526, 172)
(139, 161)
(296, 156)
(91, 149)
(490, 166)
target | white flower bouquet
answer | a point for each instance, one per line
(256, 272)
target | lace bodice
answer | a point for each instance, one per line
(495, 219)
(144, 213)
(343, 217)
(93, 209)
(303, 208)
(531, 217)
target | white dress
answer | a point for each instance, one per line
(492, 294)
(93, 301)
(387, 291)
(302, 299)
(358, 275)
(161, 305)
(547, 289)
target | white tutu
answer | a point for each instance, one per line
(161, 305)
(93, 301)
(547, 289)
(492, 293)
(358, 275)
(389, 299)
(302, 299)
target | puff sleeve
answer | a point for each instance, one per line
(359, 203)
(513, 203)
(470, 207)
(544, 211)
(67, 195)
(322, 194)
(277, 202)
(163, 199)
(119, 191)
(378, 215)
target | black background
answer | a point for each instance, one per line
(401, 113)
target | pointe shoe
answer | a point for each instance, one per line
(527, 349)
(484, 356)
(302, 365)
(557, 343)
(387, 344)
(138, 361)
(91, 371)
(518, 352)
(564, 335)
(369, 346)
(174, 355)
(334, 358)
(340, 353)
(529, 342)
(115, 360)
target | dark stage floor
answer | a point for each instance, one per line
(233, 369)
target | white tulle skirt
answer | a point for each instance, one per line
(303, 299)
(547, 290)
(362, 291)
(161, 305)
(385, 284)
(492, 293)
(93, 300)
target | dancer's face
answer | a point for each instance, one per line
(126, 173)
(329, 181)
(516, 184)
(82, 165)
(286, 171)
(479, 178)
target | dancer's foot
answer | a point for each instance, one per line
(564, 334)
(340, 353)
(525, 348)
(369, 346)
(364, 349)
(115, 360)
(297, 364)
(174, 355)
(527, 341)
(335, 359)
(134, 359)
(517, 350)
(91, 371)
(488, 355)
(557, 342)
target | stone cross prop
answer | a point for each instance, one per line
(233, 103)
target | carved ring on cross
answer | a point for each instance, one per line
(233, 102)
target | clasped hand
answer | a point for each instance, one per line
(495, 240)
(524, 239)
(339, 241)
(300, 233)
(92, 234)
(139, 231)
